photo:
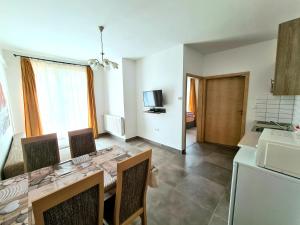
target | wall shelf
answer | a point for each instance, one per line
(156, 111)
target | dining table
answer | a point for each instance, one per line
(18, 193)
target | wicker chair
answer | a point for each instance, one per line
(130, 199)
(80, 203)
(81, 142)
(40, 151)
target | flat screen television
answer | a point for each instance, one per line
(153, 98)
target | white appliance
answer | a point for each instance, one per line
(279, 151)
(261, 196)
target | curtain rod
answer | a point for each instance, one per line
(49, 60)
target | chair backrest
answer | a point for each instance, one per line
(40, 151)
(132, 179)
(80, 203)
(81, 142)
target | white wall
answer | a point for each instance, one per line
(192, 61)
(6, 138)
(163, 70)
(99, 91)
(14, 82)
(193, 64)
(114, 102)
(108, 88)
(130, 102)
(119, 92)
(258, 58)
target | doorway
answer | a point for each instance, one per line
(193, 109)
(221, 105)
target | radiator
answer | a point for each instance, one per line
(114, 125)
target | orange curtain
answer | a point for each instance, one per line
(192, 99)
(33, 125)
(91, 102)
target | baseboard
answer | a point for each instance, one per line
(103, 134)
(131, 139)
(115, 137)
(160, 145)
(144, 139)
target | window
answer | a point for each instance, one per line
(62, 96)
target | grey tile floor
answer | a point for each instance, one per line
(191, 136)
(193, 188)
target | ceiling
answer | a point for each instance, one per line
(136, 28)
(213, 46)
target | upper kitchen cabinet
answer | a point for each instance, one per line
(287, 73)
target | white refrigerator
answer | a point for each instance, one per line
(260, 196)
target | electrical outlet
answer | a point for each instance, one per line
(156, 129)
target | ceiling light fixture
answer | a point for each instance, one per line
(104, 63)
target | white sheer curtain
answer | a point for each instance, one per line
(62, 96)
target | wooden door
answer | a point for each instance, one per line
(224, 110)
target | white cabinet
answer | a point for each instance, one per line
(260, 196)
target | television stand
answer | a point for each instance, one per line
(156, 110)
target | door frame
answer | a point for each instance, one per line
(202, 103)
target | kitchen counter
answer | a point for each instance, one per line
(249, 139)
